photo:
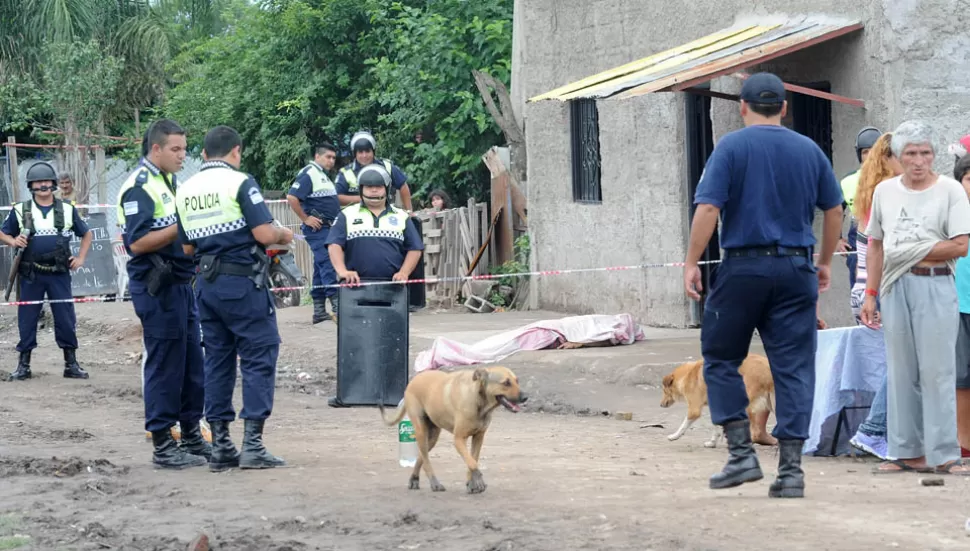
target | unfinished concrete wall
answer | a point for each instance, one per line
(910, 61)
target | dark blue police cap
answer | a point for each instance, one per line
(763, 88)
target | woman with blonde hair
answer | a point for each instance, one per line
(879, 166)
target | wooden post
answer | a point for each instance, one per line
(14, 169)
(100, 176)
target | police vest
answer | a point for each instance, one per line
(849, 186)
(390, 225)
(60, 223)
(351, 176)
(322, 185)
(157, 189)
(207, 203)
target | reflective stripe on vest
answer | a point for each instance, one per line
(360, 223)
(351, 176)
(44, 226)
(207, 203)
(157, 190)
(322, 185)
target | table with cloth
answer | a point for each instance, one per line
(850, 363)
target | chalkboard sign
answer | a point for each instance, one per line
(98, 276)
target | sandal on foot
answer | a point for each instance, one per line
(947, 468)
(902, 467)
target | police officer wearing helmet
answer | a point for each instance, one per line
(373, 240)
(363, 145)
(313, 197)
(864, 141)
(42, 227)
(159, 282)
(224, 220)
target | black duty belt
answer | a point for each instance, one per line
(921, 271)
(231, 268)
(768, 251)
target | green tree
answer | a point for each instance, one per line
(432, 115)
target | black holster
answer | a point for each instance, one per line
(211, 266)
(160, 276)
(319, 215)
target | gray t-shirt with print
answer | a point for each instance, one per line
(909, 223)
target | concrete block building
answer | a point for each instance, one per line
(623, 100)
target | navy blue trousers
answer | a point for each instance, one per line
(852, 260)
(173, 379)
(323, 271)
(56, 287)
(238, 320)
(778, 296)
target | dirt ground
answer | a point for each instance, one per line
(75, 469)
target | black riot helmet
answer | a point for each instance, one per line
(41, 172)
(373, 175)
(866, 138)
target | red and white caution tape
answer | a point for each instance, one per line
(540, 273)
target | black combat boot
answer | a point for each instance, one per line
(333, 307)
(791, 477)
(254, 454)
(224, 453)
(193, 442)
(319, 311)
(71, 368)
(23, 367)
(742, 465)
(168, 455)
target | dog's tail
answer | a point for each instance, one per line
(397, 415)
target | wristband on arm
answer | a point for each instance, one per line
(872, 293)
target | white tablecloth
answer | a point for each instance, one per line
(850, 364)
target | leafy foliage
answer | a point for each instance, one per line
(290, 73)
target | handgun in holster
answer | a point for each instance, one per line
(159, 276)
(319, 216)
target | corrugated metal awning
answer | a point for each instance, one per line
(743, 45)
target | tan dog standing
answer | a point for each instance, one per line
(686, 383)
(460, 402)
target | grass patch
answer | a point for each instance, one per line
(10, 538)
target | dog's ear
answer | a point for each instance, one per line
(480, 374)
(668, 380)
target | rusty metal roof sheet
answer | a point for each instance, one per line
(745, 44)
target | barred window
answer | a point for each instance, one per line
(585, 137)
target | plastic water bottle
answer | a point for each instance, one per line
(407, 446)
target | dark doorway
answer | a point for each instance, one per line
(812, 117)
(700, 144)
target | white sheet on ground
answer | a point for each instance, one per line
(618, 329)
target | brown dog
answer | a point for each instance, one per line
(686, 383)
(460, 402)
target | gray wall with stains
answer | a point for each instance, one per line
(910, 61)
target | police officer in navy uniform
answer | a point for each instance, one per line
(373, 240)
(313, 197)
(223, 219)
(42, 227)
(764, 182)
(159, 282)
(363, 145)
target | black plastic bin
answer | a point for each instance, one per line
(417, 294)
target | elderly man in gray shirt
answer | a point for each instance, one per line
(919, 226)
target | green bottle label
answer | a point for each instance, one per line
(405, 431)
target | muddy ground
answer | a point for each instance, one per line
(75, 468)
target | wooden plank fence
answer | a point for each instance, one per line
(452, 239)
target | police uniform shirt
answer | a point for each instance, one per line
(375, 246)
(767, 181)
(44, 238)
(849, 186)
(147, 205)
(217, 209)
(345, 187)
(315, 191)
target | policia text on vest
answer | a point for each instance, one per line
(223, 220)
(42, 227)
